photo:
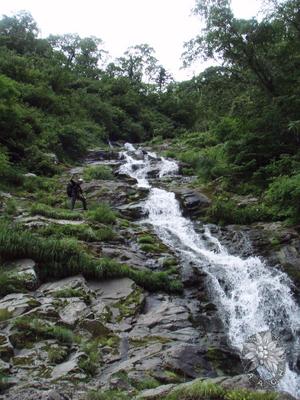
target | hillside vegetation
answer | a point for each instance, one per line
(236, 124)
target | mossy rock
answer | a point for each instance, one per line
(131, 305)
(224, 362)
(95, 327)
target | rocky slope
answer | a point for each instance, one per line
(62, 338)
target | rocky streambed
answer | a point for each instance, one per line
(63, 338)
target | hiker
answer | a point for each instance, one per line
(75, 192)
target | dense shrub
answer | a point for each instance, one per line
(226, 211)
(283, 195)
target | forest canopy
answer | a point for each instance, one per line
(239, 121)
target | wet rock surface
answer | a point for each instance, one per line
(193, 203)
(277, 244)
(139, 335)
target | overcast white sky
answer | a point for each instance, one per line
(163, 24)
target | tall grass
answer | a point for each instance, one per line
(81, 232)
(44, 329)
(205, 390)
(66, 257)
(10, 283)
(98, 172)
(102, 213)
(55, 213)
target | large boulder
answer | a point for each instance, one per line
(69, 367)
(132, 211)
(157, 393)
(17, 304)
(191, 361)
(74, 311)
(193, 203)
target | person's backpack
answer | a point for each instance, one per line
(69, 189)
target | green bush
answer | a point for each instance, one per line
(4, 163)
(34, 184)
(283, 194)
(39, 162)
(8, 174)
(98, 172)
(225, 211)
(102, 213)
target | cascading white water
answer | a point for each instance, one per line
(251, 297)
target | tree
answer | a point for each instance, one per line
(19, 32)
(138, 63)
(68, 45)
(238, 44)
(87, 61)
(285, 10)
(82, 54)
(163, 77)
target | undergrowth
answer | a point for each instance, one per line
(81, 232)
(98, 172)
(55, 213)
(202, 390)
(60, 258)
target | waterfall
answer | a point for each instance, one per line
(251, 297)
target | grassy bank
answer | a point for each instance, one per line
(59, 258)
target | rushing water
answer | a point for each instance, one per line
(250, 296)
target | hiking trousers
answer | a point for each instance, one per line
(78, 197)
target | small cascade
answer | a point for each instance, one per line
(251, 297)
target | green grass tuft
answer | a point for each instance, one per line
(55, 213)
(43, 329)
(66, 257)
(80, 232)
(203, 390)
(102, 213)
(146, 239)
(5, 314)
(102, 172)
(108, 395)
(92, 361)
(10, 283)
(57, 355)
(150, 248)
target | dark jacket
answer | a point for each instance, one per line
(76, 188)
